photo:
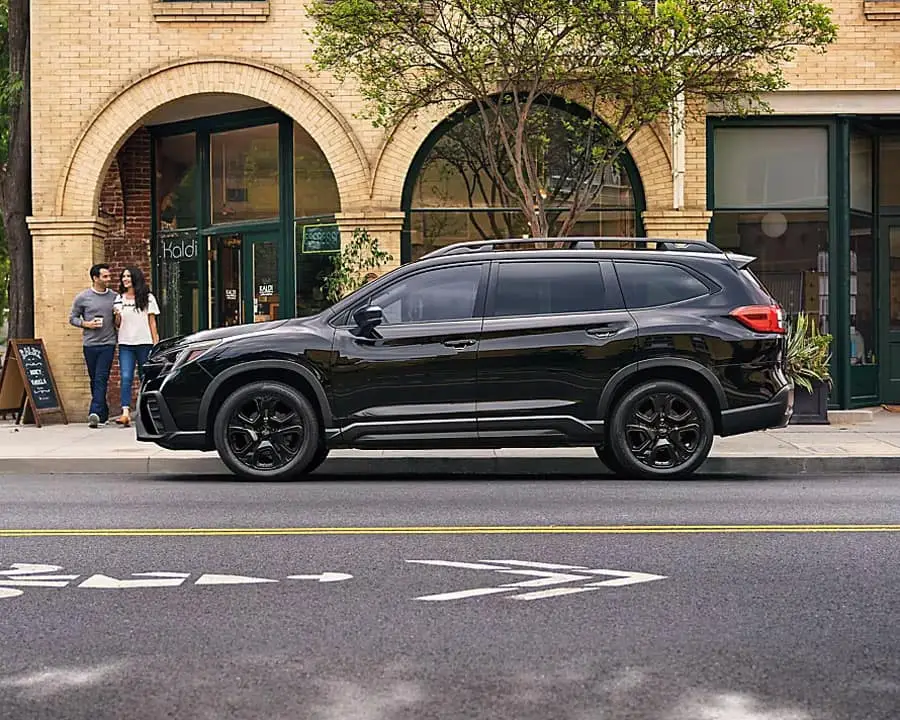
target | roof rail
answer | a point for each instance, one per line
(578, 243)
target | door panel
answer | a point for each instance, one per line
(541, 375)
(890, 316)
(415, 374)
(262, 277)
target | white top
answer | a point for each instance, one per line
(135, 327)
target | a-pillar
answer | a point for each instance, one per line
(64, 250)
(385, 227)
(688, 224)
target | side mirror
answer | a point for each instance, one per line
(368, 317)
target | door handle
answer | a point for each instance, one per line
(459, 344)
(601, 332)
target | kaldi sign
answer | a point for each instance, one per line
(179, 247)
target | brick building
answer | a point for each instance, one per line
(190, 139)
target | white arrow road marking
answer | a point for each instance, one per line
(9, 593)
(464, 565)
(30, 569)
(211, 579)
(623, 578)
(460, 594)
(324, 577)
(54, 581)
(544, 576)
(154, 579)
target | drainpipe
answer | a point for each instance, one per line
(678, 151)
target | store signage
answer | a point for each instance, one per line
(321, 239)
(178, 247)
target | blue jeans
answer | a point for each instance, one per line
(99, 360)
(129, 357)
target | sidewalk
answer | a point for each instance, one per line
(867, 447)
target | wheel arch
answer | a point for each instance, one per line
(690, 373)
(297, 376)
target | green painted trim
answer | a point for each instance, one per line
(287, 257)
(415, 167)
(220, 123)
(203, 215)
(839, 258)
(241, 226)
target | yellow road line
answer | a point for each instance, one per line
(448, 530)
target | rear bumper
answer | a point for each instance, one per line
(154, 423)
(774, 414)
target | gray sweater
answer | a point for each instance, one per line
(90, 304)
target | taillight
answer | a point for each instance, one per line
(761, 318)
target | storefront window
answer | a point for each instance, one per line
(888, 177)
(862, 290)
(315, 189)
(316, 243)
(176, 182)
(179, 282)
(244, 174)
(456, 198)
(792, 255)
(771, 167)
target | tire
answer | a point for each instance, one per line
(661, 430)
(608, 458)
(267, 431)
(317, 459)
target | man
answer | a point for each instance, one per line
(92, 311)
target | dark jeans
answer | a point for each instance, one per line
(99, 360)
(129, 356)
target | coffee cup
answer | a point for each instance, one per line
(99, 321)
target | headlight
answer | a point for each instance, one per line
(193, 352)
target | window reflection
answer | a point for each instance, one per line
(176, 181)
(244, 174)
(792, 255)
(315, 189)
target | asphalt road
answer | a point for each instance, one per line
(786, 611)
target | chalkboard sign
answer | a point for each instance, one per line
(321, 239)
(27, 382)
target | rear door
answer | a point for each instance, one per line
(554, 332)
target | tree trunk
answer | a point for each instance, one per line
(15, 179)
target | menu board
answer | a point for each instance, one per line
(27, 383)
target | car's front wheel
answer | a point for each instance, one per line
(267, 431)
(661, 429)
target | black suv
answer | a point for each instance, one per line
(644, 353)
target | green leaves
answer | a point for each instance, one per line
(617, 58)
(808, 353)
(350, 267)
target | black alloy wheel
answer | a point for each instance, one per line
(661, 429)
(267, 431)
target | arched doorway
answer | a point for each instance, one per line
(244, 204)
(449, 194)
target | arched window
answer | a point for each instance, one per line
(450, 195)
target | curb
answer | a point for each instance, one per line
(522, 466)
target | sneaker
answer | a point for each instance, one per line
(93, 420)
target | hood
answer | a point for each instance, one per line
(233, 331)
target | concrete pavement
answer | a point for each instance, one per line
(872, 446)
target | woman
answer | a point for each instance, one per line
(135, 311)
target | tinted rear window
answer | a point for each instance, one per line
(652, 284)
(548, 288)
(759, 290)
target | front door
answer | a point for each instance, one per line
(412, 380)
(243, 278)
(889, 257)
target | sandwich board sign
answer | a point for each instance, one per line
(27, 386)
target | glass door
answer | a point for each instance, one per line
(261, 277)
(890, 311)
(225, 257)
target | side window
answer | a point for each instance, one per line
(548, 288)
(441, 294)
(647, 285)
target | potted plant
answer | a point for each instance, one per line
(808, 354)
(353, 266)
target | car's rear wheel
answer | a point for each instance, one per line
(661, 429)
(267, 431)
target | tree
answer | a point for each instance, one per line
(15, 163)
(628, 62)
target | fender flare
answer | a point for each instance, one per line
(621, 375)
(240, 369)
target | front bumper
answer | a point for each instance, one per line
(776, 413)
(154, 423)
